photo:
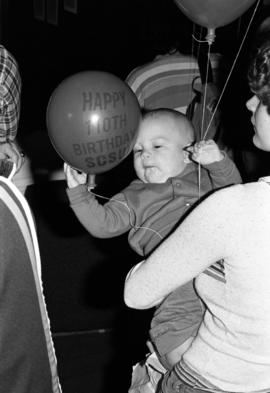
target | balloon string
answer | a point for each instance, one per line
(200, 41)
(233, 65)
(224, 87)
(191, 87)
(192, 73)
(194, 55)
(205, 93)
(130, 216)
(203, 107)
(199, 180)
(203, 116)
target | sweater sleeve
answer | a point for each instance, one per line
(202, 239)
(224, 172)
(102, 221)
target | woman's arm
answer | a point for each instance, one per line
(197, 243)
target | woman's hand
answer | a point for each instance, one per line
(10, 151)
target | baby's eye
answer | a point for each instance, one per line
(137, 151)
(157, 146)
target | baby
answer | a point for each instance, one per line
(168, 184)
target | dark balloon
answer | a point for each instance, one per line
(213, 13)
(92, 121)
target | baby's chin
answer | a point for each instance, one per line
(153, 175)
(154, 179)
(157, 177)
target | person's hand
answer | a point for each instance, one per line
(206, 152)
(9, 150)
(73, 177)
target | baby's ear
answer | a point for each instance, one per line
(186, 155)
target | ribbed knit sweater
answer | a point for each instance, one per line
(232, 349)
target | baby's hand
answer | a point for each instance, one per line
(206, 152)
(73, 177)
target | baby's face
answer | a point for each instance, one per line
(158, 151)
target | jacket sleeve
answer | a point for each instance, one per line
(224, 172)
(205, 236)
(102, 221)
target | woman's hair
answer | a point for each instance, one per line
(259, 73)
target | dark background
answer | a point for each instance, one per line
(113, 36)
(83, 277)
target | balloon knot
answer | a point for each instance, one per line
(210, 37)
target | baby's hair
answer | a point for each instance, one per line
(259, 73)
(179, 118)
(160, 112)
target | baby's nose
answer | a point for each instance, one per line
(146, 154)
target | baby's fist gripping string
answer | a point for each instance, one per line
(130, 218)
